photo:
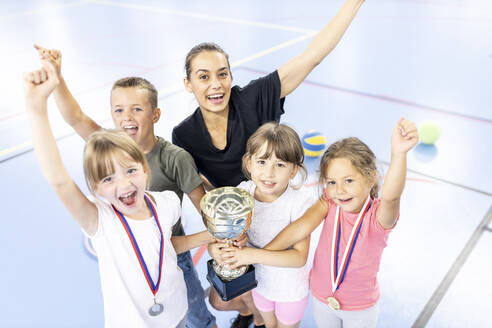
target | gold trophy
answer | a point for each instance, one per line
(227, 213)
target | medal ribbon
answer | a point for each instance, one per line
(153, 287)
(337, 277)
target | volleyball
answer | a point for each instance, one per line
(313, 143)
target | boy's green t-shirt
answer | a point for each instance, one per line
(172, 168)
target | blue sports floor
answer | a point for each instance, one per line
(421, 59)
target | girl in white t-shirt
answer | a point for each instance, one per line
(273, 157)
(131, 228)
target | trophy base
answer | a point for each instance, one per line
(227, 290)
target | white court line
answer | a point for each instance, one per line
(46, 10)
(203, 16)
(178, 87)
(273, 49)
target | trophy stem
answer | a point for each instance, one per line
(227, 213)
(227, 273)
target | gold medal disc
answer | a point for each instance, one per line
(333, 303)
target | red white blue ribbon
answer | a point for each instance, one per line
(153, 287)
(336, 275)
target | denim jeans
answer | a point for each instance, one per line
(182, 323)
(198, 315)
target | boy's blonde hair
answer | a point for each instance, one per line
(281, 140)
(102, 148)
(138, 82)
(358, 153)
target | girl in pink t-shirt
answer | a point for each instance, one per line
(343, 278)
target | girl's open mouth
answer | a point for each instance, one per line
(128, 199)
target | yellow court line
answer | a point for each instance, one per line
(202, 16)
(45, 9)
(7, 151)
(178, 87)
(61, 133)
(308, 33)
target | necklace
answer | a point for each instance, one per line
(156, 308)
(336, 274)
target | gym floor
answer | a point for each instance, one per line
(421, 59)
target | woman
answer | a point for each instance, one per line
(216, 133)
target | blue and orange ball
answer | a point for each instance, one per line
(313, 143)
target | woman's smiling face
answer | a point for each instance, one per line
(210, 81)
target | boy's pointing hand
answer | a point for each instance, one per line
(52, 55)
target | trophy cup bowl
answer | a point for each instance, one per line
(227, 214)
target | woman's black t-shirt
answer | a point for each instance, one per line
(249, 107)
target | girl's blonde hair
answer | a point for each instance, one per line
(102, 148)
(358, 153)
(281, 140)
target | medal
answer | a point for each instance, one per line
(333, 303)
(156, 308)
(337, 276)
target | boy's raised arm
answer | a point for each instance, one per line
(295, 71)
(66, 103)
(38, 85)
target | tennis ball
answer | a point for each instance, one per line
(313, 143)
(429, 132)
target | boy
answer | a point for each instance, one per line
(134, 109)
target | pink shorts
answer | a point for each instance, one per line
(287, 313)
